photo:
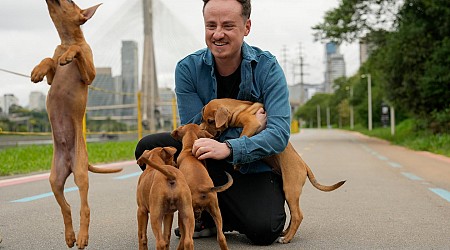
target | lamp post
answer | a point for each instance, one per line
(352, 119)
(369, 99)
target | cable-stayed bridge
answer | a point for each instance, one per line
(161, 39)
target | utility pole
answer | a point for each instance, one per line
(149, 85)
(369, 99)
(284, 58)
(302, 83)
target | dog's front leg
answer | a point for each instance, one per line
(84, 61)
(46, 67)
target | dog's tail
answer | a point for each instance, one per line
(225, 186)
(161, 168)
(319, 186)
(98, 170)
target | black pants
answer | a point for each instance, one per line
(253, 205)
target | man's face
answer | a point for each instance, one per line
(225, 28)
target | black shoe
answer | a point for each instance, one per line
(200, 231)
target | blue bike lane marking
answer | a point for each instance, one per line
(71, 189)
(444, 194)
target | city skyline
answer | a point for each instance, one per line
(178, 30)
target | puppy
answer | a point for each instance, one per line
(69, 72)
(204, 194)
(219, 114)
(162, 190)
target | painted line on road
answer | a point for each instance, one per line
(25, 179)
(442, 193)
(412, 176)
(394, 164)
(128, 176)
(381, 157)
(19, 180)
(40, 196)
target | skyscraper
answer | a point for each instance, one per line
(37, 101)
(106, 84)
(130, 75)
(334, 66)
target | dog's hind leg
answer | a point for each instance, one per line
(186, 223)
(82, 181)
(58, 176)
(168, 219)
(292, 196)
(217, 216)
(142, 219)
(156, 220)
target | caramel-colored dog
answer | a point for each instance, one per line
(161, 193)
(204, 194)
(220, 114)
(69, 72)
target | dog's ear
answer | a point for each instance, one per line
(170, 150)
(176, 134)
(221, 117)
(88, 13)
(141, 161)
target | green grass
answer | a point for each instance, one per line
(406, 135)
(35, 158)
(28, 159)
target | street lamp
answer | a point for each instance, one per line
(352, 126)
(369, 98)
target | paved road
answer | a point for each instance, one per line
(393, 199)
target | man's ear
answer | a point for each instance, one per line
(248, 25)
(221, 117)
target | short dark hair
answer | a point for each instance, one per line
(246, 7)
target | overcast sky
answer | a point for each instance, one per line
(27, 35)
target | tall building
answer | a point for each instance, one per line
(334, 66)
(104, 85)
(130, 76)
(165, 109)
(365, 50)
(6, 101)
(37, 101)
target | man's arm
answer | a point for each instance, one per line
(188, 101)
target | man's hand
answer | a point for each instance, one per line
(205, 148)
(261, 116)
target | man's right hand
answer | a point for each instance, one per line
(261, 116)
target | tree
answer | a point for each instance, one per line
(412, 55)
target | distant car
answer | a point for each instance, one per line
(110, 136)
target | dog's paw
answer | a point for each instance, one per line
(64, 60)
(37, 75)
(70, 239)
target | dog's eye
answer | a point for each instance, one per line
(211, 121)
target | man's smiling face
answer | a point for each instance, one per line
(225, 28)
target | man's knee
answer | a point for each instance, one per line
(263, 233)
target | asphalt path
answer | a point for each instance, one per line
(394, 198)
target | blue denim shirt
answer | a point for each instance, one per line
(262, 80)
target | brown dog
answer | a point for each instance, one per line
(204, 194)
(69, 73)
(220, 114)
(161, 193)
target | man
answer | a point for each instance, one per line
(230, 68)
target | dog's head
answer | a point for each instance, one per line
(161, 155)
(193, 128)
(215, 118)
(66, 15)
